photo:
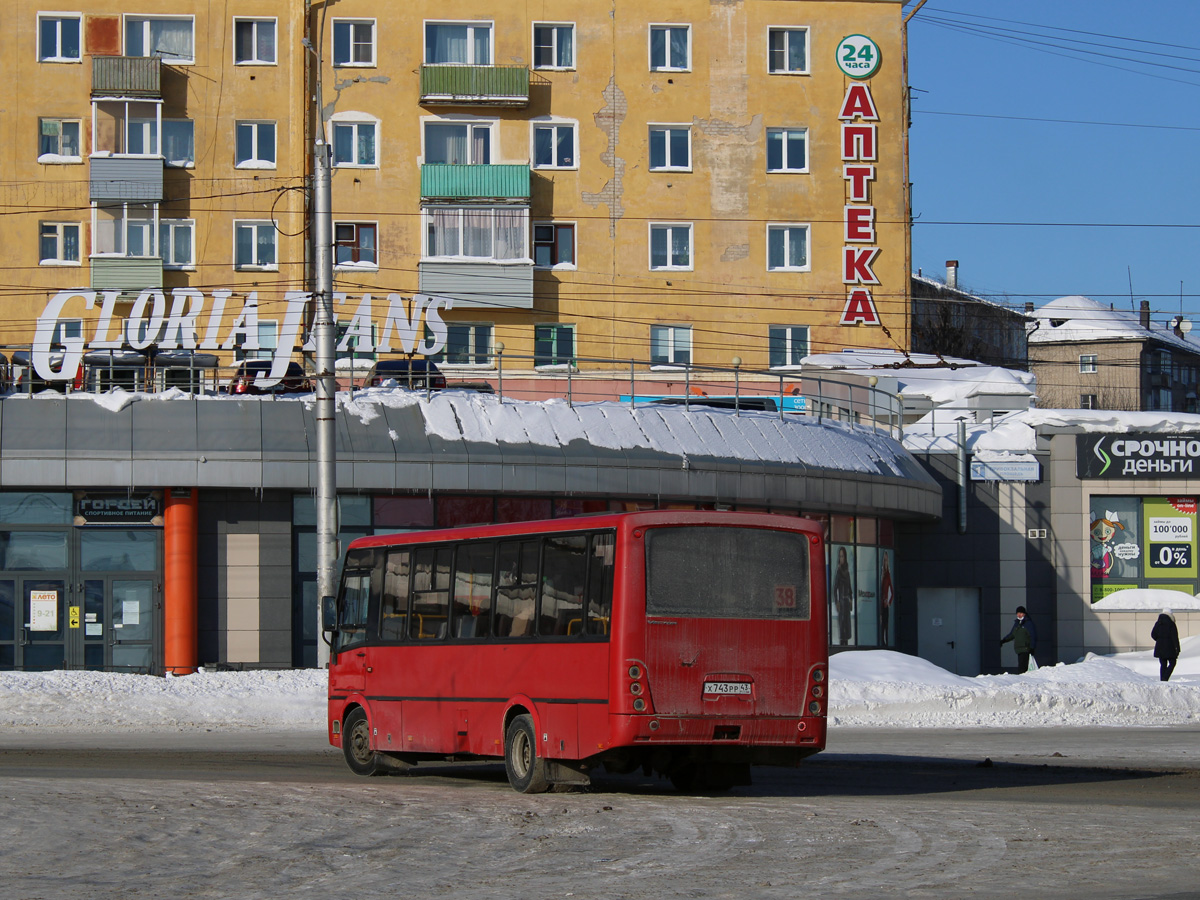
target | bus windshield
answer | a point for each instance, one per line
(717, 572)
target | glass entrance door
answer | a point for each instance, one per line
(118, 627)
(44, 625)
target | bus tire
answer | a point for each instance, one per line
(356, 745)
(525, 769)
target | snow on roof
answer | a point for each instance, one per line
(944, 381)
(1078, 318)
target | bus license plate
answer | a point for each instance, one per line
(727, 687)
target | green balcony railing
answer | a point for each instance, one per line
(475, 85)
(126, 76)
(449, 182)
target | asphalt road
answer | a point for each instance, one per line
(1051, 813)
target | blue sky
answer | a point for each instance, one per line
(1065, 61)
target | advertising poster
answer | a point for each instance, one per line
(887, 600)
(43, 610)
(1115, 532)
(841, 595)
(868, 596)
(1169, 537)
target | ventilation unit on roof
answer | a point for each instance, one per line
(1054, 323)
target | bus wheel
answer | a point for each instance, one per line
(356, 745)
(526, 772)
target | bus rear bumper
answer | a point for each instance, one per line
(807, 733)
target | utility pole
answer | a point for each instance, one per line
(321, 228)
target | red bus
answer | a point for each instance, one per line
(688, 644)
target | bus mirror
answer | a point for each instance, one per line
(329, 614)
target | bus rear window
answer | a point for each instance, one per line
(729, 573)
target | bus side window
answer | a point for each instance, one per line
(564, 577)
(393, 618)
(352, 609)
(474, 565)
(600, 584)
(430, 594)
(516, 588)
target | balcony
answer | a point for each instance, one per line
(482, 284)
(125, 179)
(128, 274)
(441, 181)
(475, 85)
(126, 76)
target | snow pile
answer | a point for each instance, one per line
(1147, 600)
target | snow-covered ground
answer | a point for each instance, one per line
(879, 688)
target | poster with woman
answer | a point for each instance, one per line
(841, 595)
(887, 598)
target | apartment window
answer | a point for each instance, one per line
(787, 248)
(670, 345)
(354, 144)
(467, 344)
(458, 143)
(670, 148)
(458, 43)
(671, 246)
(354, 42)
(176, 242)
(268, 342)
(59, 244)
(554, 46)
(123, 229)
(670, 48)
(787, 345)
(254, 42)
(179, 142)
(141, 137)
(66, 331)
(1088, 364)
(255, 145)
(173, 39)
(356, 244)
(554, 146)
(553, 244)
(554, 345)
(59, 141)
(787, 51)
(1088, 401)
(58, 38)
(787, 150)
(479, 233)
(254, 245)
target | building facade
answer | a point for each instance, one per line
(688, 186)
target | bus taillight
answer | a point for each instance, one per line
(638, 688)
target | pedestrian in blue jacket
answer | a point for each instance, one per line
(1024, 638)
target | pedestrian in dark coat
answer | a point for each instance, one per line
(1165, 635)
(1024, 638)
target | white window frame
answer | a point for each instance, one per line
(667, 128)
(554, 124)
(59, 17)
(356, 264)
(427, 221)
(786, 169)
(789, 342)
(471, 25)
(58, 259)
(785, 228)
(556, 224)
(256, 21)
(167, 247)
(60, 158)
(146, 19)
(256, 161)
(554, 46)
(789, 29)
(669, 228)
(667, 26)
(558, 365)
(1089, 363)
(353, 63)
(148, 223)
(353, 120)
(162, 142)
(470, 123)
(257, 225)
(673, 331)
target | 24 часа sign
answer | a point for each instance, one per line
(1137, 455)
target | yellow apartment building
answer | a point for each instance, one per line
(581, 184)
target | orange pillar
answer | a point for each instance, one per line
(180, 590)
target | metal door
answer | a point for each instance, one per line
(948, 628)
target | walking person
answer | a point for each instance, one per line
(1165, 635)
(1024, 637)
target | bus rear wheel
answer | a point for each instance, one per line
(356, 745)
(525, 769)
